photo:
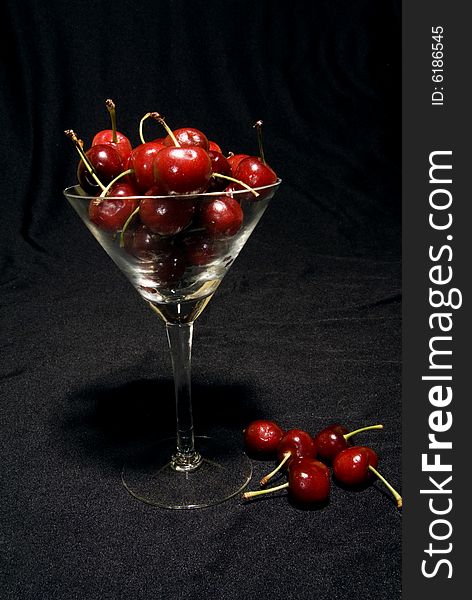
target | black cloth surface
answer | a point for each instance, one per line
(305, 328)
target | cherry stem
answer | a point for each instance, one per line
(356, 431)
(112, 110)
(266, 478)
(258, 127)
(146, 116)
(248, 495)
(113, 181)
(221, 176)
(125, 226)
(160, 119)
(394, 492)
(79, 147)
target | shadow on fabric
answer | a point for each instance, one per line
(105, 423)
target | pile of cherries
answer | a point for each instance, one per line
(175, 168)
(306, 458)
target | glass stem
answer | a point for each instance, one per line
(179, 336)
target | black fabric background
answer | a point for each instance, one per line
(305, 328)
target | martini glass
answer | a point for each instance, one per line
(177, 276)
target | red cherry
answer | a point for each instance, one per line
(262, 436)
(122, 145)
(214, 146)
(141, 160)
(166, 216)
(235, 159)
(111, 212)
(219, 164)
(107, 164)
(255, 173)
(188, 137)
(295, 443)
(182, 170)
(144, 244)
(351, 465)
(169, 268)
(331, 440)
(200, 249)
(222, 216)
(111, 136)
(309, 480)
(356, 465)
(240, 197)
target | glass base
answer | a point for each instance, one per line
(223, 472)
